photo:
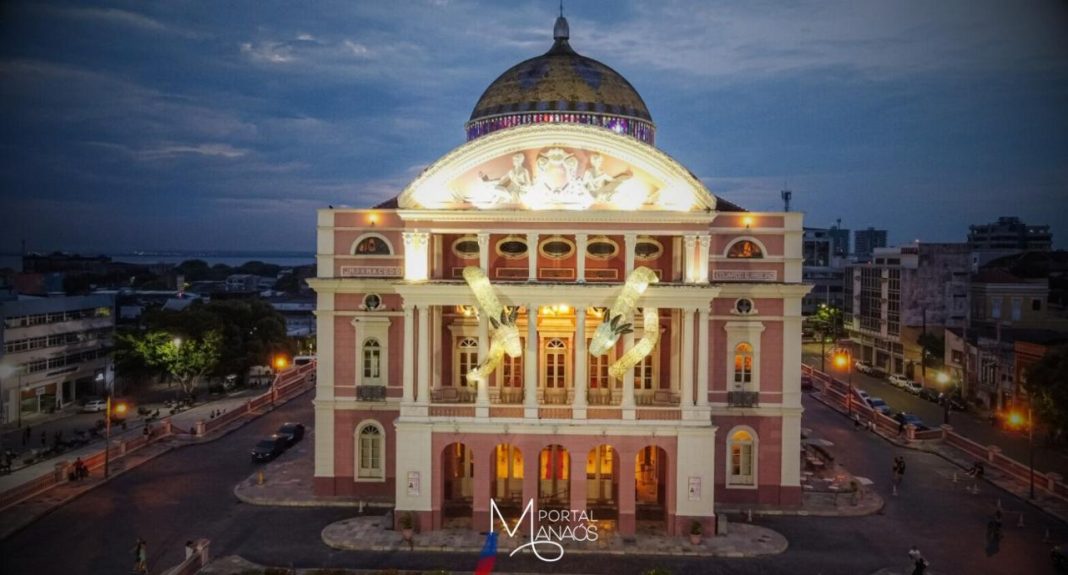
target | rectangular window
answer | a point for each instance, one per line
(742, 464)
(995, 308)
(1036, 305)
(1017, 305)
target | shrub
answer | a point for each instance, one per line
(696, 528)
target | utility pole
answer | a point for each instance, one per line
(923, 348)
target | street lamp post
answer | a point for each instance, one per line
(1031, 447)
(845, 359)
(943, 379)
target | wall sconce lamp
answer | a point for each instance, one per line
(747, 221)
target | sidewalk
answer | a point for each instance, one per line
(1043, 500)
(25, 512)
(370, 534)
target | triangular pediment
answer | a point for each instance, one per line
(557, 167)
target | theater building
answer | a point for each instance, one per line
(558, 195)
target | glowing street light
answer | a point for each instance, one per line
(280, 362)
(843, 360)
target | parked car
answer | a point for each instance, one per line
(94, 406)
(269, 448)
(806, 383)
(863, 394)
(929, 394)
(898, 380)
(292, 432)
(913, 387)
(910, 419)
(863, 367)
(879, 405)
(957, 403)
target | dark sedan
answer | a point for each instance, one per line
(269, 448)
(292, 432)
(910, 419)
(929, 394)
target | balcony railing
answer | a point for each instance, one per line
(371, 392)
(743, 398)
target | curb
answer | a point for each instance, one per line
(175, 442)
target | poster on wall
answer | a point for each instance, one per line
(695, 489)
(413, 484)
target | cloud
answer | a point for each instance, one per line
(109, 16)
(210, 150)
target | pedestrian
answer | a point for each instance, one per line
(920, 566)
(140, 551)
(856, 422)
(914, 554)
(190, 549)
(901, 428)
(26, 435)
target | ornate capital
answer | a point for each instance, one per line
(483, 240)
(690, 241)
(415, 239)
(705, 241)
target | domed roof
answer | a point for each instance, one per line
(561, 85)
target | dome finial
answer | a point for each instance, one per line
(560, 30)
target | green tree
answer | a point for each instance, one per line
(827, 321)
(187, 360)
(1047, 386)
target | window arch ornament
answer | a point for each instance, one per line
(742, 457)
(512, 247)
(743, 306)
(372, 244)
(647, 248)
(601, 248)
(556, 248)
(370, 452)
(466, 247)
(747, 248)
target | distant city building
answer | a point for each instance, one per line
(890, 301)
(1004, 237)
(824, 251)
(865, 242)
(54, 351)
(249, 282)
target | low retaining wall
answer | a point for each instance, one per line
(286, 385)
(836, 392)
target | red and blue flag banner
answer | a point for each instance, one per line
(488, 556)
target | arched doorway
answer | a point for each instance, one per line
(457, 470)
(602, 481)
(650, 483)
(506, 481)
(554, 478)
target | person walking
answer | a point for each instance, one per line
(140, 551)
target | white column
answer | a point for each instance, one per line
(483, 251)
(630, 240)
(581, 359)
(532, 257)
(627, 402)
(686, 378)
(580, 247)
(409, 355)
(689, 265)
(416, 257)
(482, 398)
(530, 364)
(423, 396)
(703, 242)
(702, 356)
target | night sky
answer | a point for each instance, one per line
(225, 125)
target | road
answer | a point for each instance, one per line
(1012, 443)
(187, 493)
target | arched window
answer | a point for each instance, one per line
(372, 361)
(371, 245)
(370, 452)
(742, 454)
(555, 364)
(743, 364)
(745, 249)
(466, 358)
